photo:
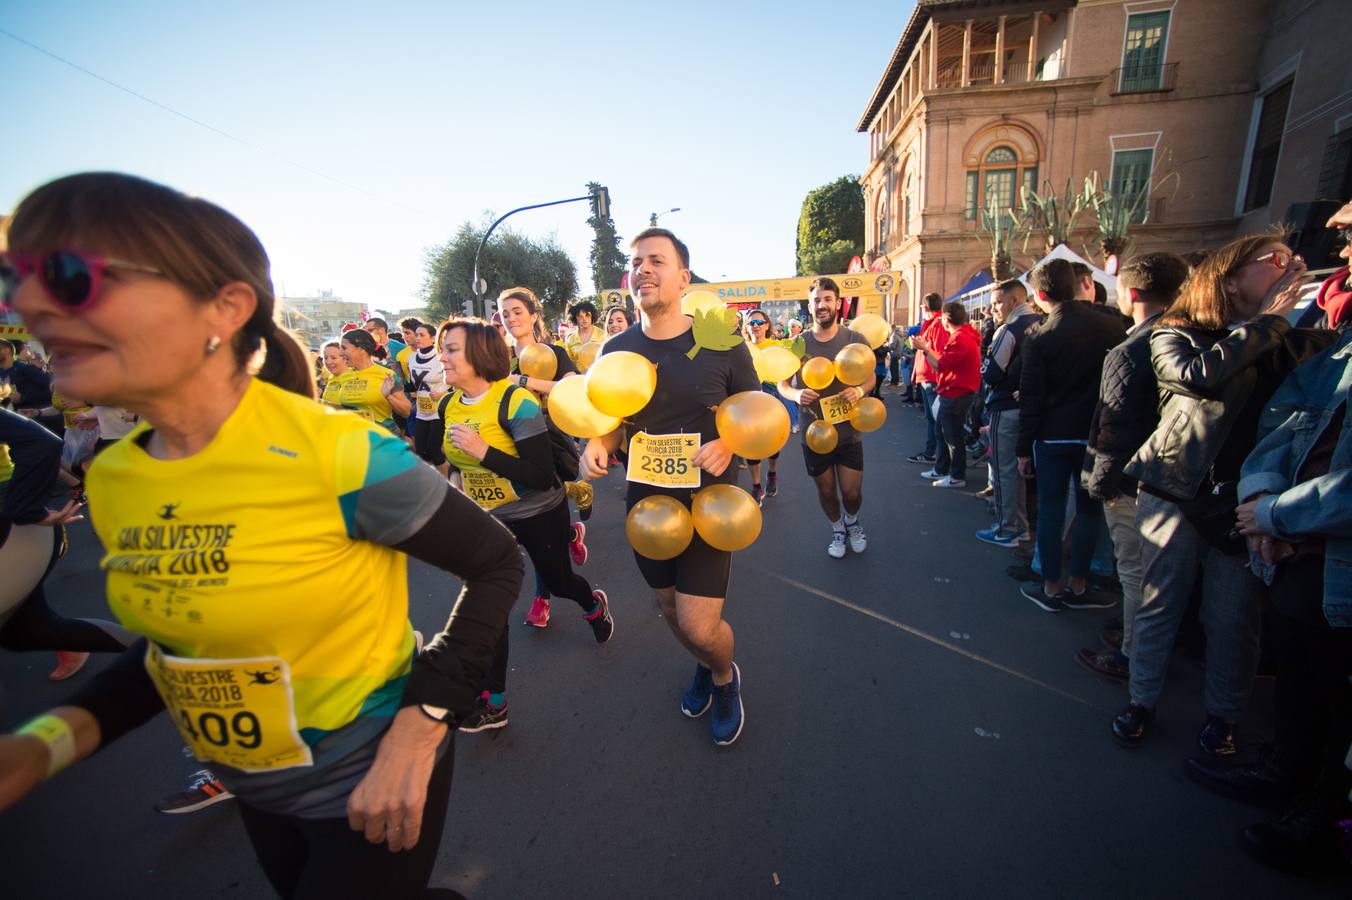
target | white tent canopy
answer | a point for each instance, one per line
(980, 296)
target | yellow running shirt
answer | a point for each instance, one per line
(69, 410)
(361, 393)
(260, 569)
(506, 499)
(6, 465)
(333, 390)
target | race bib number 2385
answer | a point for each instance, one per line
(664, 460)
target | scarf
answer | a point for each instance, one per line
(1334, 297)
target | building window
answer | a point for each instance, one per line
(908, 206)
(1267, 146)
(1143, 53)
(996, 183)
(1131, 180)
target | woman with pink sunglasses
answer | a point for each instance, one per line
(251, 546)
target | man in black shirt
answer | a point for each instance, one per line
(839, 474)
(691, 587)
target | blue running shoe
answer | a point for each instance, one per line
(728, 716)
(993, 536)
(700, 693)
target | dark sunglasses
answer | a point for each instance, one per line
(70, 278)
(757, 323)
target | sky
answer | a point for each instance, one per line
(353, 137)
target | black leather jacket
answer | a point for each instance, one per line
(1206, 382)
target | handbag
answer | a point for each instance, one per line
(1212, 513)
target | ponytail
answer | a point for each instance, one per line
(286, 364)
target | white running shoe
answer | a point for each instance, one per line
(858, 543)
(948, 481)
(836, 550)
(931, 474)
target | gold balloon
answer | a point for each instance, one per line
(854, 364)
(780, 364)
(757, 360)
(621, 383)
(570, 409)
(537, 361)
(873, 327)
(726, 517)
(659, 527)
(868, 414)
(821, 437)
(695, 301)
(818, 373)
(753, 424)
(586, 355)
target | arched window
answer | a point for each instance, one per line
(996, 181)
(908, 205)
(882, 222)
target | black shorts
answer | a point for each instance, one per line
(850, 455)
(701, 570)
(427, 440)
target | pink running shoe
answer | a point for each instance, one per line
(67, 664)
(576, 548)
(538, 617)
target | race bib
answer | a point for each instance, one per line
(237, 712)
(426, 405)
(836, 409)
(486, 488)
(664, 460)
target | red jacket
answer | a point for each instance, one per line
(932, 330)
(960, 363)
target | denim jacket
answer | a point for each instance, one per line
(1291, 424)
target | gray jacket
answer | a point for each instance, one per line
(1291, 425)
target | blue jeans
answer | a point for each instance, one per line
(1058, 466)
(927, 394)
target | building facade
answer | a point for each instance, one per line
(318, 319)
(1162, 98)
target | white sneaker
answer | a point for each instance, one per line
(930, 473)
(948, 481)
(836, 550)
(858, 543)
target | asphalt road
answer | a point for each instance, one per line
(914, 728)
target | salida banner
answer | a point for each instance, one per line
(858, 284)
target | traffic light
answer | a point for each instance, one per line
(601, 202)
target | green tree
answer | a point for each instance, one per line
(510, 258)
(831, 227)
(607, 260)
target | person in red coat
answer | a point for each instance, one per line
(956, 362)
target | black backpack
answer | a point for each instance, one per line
(561, 445)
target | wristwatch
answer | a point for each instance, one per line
(435, 713)
(522, 380)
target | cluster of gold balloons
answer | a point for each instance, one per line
(586, 355)
(660, 527)
(538, 361)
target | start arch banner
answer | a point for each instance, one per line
(858, 284)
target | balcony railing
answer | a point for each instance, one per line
(1142, 79)
(980, 71)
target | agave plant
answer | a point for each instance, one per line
(1054, 216)
(1118, 211)
(1001, 229)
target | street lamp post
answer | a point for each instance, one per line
(652, 219)
(479, 286)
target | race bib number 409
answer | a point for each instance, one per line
(664, 460)
(237, 712)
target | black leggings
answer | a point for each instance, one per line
(427, 437)
(32, 625)
(545, 540)
(310, 859)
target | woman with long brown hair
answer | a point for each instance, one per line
(1219, 353)
(250, 545)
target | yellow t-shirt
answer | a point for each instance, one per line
(261, 547)
(573, 342)
(333, 390)
(361, 393)
(69, 410)
(6, 464)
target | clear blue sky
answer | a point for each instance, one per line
(731, 111)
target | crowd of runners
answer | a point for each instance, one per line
(1186, 449)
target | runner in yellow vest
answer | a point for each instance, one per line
(370, 390)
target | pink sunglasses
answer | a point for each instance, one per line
(70, 278)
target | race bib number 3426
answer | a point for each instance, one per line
(237, 712)
(664, 460)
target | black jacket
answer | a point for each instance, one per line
(36, 454)
(1062, 364)
(33, 385)
(1001, 368)
(1208, 382)
(1127, 413)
